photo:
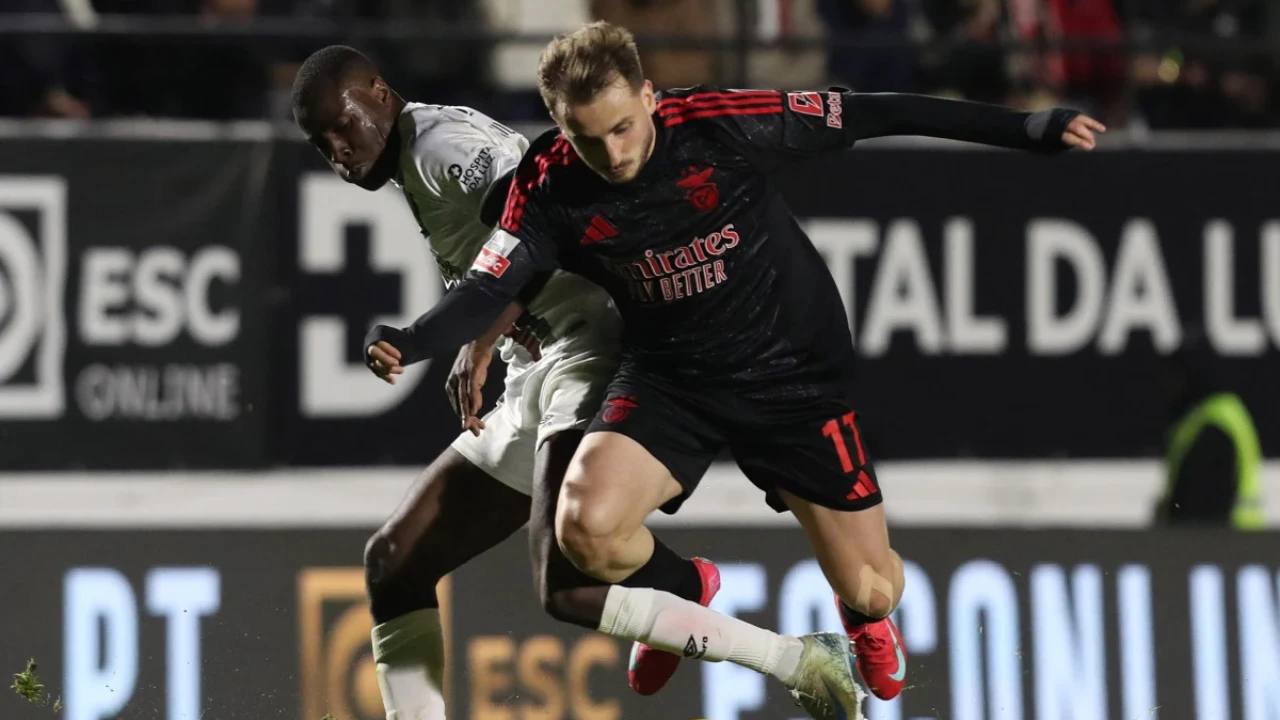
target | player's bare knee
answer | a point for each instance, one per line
(379, 559)
(589, 551)
(589, 536)
(383, 561)
(872, 589)
(386, 560)
(583, 525)
(873, 605)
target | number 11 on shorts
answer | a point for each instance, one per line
(834, 429)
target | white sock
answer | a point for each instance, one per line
(409, 652)
(666, 622)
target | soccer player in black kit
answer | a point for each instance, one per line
(735, 337)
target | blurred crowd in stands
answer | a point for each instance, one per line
(988, 50)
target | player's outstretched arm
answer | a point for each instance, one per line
(1048, 131)
(771, 127)
(507, 270)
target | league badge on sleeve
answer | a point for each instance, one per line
(493, 256)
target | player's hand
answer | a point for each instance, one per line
(382, 357)
(384, 361)
(527, 340)
(466, 379)
(1080, 132)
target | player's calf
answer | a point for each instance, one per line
(881, 658)
(566, 593)
(853, 550)
(454, 513)
(408, 644)
(866, 595)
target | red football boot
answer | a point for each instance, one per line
(877, 647)
(651, 669)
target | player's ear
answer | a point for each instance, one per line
(380, 90)
(647, 97)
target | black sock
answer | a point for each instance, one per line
(855, 618)
(668, 571)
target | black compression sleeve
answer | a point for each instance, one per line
(463, 315)
(884, 114)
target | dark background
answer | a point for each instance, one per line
(915, 405)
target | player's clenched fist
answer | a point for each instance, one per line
(381, 354)
(1080, 132)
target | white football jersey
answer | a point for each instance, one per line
(450, 156)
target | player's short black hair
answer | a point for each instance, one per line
(325, 70)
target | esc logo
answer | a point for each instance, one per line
(33, 265)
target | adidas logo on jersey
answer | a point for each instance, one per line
(598, 231)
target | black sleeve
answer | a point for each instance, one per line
(463, 315)
(777, 126)
(1205, 489)
(884, 114)
(499, 275)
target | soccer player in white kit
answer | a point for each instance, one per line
(453, 165)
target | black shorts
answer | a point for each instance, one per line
(804, 439)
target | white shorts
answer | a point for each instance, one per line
(562, 391)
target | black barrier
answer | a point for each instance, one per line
(1004, 306)
(1011, 306)
(133, 284)
(998, 624)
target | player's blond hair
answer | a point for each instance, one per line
(574, 68)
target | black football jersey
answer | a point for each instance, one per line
(714, 278)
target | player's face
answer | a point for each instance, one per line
(613, 134)
(350, 127)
